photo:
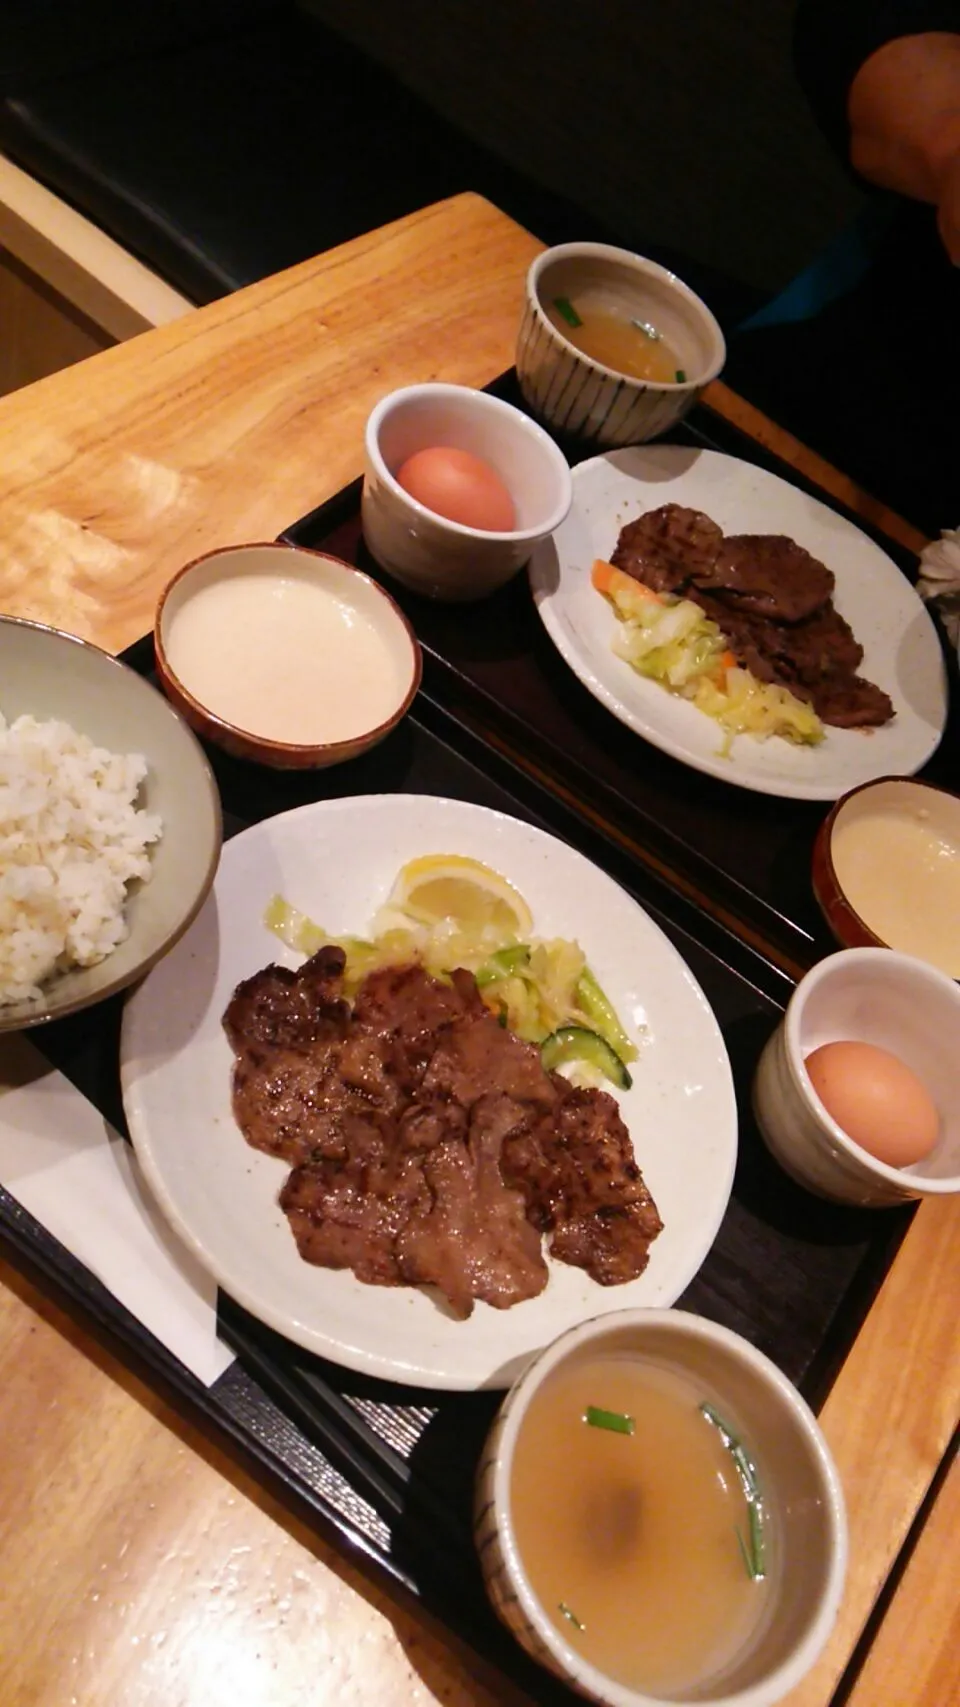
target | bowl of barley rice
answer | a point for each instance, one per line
(110, 825)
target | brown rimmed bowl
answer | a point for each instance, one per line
(284, 562)
(886, 797)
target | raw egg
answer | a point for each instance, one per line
(877, 1100)
(460, 487)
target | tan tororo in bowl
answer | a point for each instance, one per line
(886, 869)
(285, 657)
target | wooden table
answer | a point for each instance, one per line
(142, 1564)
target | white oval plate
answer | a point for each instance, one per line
(337, 860)
(901, 651)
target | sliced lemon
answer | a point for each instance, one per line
(437, 888)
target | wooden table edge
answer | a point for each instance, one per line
(926, 1595)
(888, 1448)
(758, 426)
(876, 1368)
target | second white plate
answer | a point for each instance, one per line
(336, 861)
(901, 651)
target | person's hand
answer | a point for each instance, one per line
(904, 112)
(948, 206)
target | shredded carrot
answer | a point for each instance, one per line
(607, 579)
(718, 678)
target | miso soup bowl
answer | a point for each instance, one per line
(579, 397)
(805, 1519)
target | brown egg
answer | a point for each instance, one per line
(877, 1100)
(460, 487)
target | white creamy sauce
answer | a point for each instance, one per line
(903, 878)
(282, 657)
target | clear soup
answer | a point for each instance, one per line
(615, 341)
(641, 1546)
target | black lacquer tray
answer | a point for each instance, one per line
(747, 856)
(389, 1469)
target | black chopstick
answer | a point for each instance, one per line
(330, 1421)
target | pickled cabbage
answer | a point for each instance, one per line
(671, 641)
(536, 987)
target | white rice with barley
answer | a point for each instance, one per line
(71, 841)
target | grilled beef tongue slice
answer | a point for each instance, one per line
(348, 1214)
(291, 1009)
(582, 1184)
(769, 597)
(473, 1239)
(613, 1245)
(409, 1005)
(816, 659)
(769, 575)
(290, 1102)
(823, 645)
(474, 1055)
(428, 1144)
(850, 702)
(286, 1029)
(667, 547)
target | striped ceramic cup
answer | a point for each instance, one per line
(794, 1482)
(576, 394)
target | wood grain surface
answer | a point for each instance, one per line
(889, 1420)
(141, 1565)
(232, 421)
(915, 1658)
(144, 1567)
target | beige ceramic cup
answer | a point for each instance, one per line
(800, 1489)
(575, 395)
(439, 558)
(865, 995)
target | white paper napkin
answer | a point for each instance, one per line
(68, 1169)
(939, 581)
